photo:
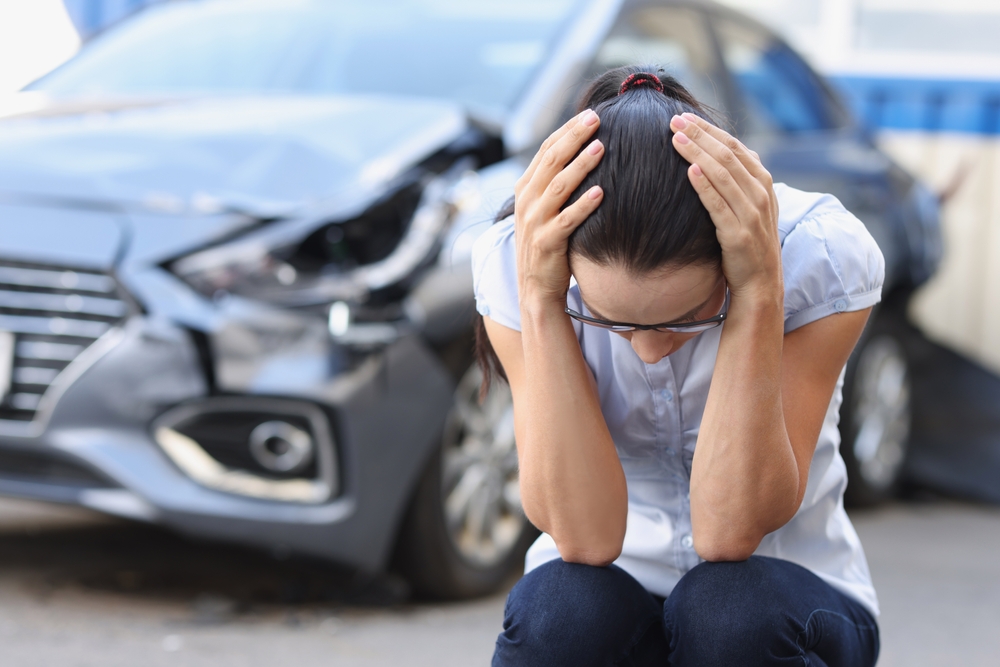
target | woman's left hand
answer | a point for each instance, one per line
(739, 195)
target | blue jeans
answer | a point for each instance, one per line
(762, 611)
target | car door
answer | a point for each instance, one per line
(805, 137)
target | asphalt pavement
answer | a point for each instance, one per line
(78, 589)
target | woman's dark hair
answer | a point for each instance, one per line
(651, 215)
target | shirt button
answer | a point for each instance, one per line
(687, 541)
(667, 394)
(840, 305)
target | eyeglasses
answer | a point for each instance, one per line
(671, 327)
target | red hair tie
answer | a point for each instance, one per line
(639, 80)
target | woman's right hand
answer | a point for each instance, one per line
(542, 226)
(572, 483)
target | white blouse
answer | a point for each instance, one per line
(831, 264)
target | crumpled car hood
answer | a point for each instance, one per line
(258, 154)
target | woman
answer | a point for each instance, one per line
(685, 474)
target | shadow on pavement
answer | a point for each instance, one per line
(148, 562)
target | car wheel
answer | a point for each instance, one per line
(876, 415)
(465, 533)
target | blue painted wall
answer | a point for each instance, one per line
(930, 105)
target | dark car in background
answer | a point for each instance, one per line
(235, 292)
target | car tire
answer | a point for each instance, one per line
(465, 534)
(876, 415)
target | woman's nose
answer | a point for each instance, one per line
(651, 346)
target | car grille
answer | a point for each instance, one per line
(55, 313)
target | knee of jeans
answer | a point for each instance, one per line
(728, 604)
(560, 598)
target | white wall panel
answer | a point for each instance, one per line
(960, 306)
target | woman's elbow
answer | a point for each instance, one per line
(598, 549)
(719, 549)
(595, 556)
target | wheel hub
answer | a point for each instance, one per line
(882, 411)
(482, 502)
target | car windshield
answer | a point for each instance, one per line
(480, 53)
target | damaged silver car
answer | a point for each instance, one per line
(235, 291)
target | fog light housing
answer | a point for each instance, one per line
(271, 449)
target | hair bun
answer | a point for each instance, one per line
(639, 80)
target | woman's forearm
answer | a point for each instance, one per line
(572, 483)
(744, 477)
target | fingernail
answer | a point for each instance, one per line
(589, 117)
(594, 148)
(690, 116)
(696, 170)
(594, 192)
(681, 138)
(678, 122)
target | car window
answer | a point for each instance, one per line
(674, 38)
(781, 93)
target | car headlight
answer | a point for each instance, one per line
(334, 261)
(240, 268)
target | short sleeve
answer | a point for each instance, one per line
(494, 275)
(831, 265)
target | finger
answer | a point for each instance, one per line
(549, 141)
(722, 214)
(573, 215)
(747, 157)
(553, 159)
(723, 179)
(569, 179)
(726, 151)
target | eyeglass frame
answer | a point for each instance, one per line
(665, 327)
